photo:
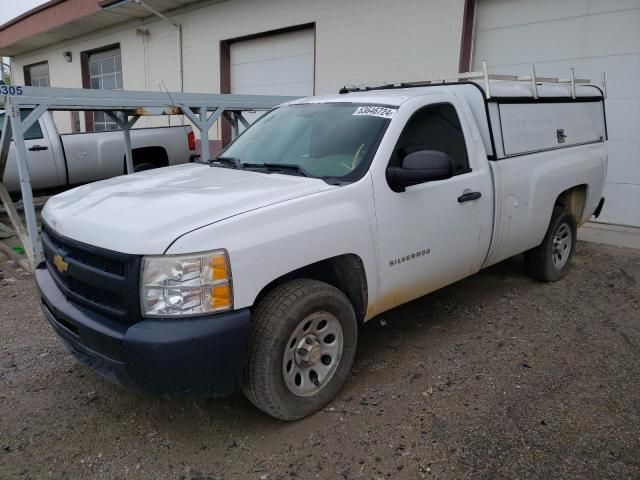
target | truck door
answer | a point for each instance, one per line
(434, 233)
(40, 158)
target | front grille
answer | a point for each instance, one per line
(85, 257)
(99, 279)
(96, 294)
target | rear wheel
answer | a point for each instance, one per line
(141, 167)
(302, 346)
(550, 260)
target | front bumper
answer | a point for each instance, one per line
(202, 356)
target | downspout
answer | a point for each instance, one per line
(178, 28)
(180, 61)
(8, 67)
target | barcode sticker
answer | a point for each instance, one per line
(383, 112)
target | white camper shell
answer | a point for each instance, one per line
(519, 123)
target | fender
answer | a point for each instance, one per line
(269, 242)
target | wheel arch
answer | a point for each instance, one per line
(574, 199)
(345, 272)
(155, 155)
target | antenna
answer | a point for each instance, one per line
(485, 72)
(573, 82)
(534, 84)
(174, 104)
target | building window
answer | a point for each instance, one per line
(37, 75)
(103, 71)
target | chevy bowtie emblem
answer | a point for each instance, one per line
(60, 264)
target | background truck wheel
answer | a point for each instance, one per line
(550, 260)
(302, 345)
(141, 167)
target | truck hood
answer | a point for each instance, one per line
(144, 212)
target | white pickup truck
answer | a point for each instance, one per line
(257, 270)
(56, 160)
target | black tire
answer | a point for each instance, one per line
(141, 167)
(276, 319)
(539, 261)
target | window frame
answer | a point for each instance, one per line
(85, 59)
(469, 168)
(28, 77)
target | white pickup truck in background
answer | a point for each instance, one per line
(257, 269)
(56, 160)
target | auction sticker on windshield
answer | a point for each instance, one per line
(383, 112)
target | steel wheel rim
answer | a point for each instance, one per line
(312, 354)
(561, 248)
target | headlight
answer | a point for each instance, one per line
(174, 285)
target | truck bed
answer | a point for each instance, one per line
(97, 155)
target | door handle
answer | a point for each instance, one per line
(468, 196)
(561, 135)
(37, 148)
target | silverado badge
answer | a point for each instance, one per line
(60, 264)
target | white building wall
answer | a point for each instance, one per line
(357, 42)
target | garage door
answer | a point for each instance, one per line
(592, 37)
(280, 64)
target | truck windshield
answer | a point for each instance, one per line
(328, 141)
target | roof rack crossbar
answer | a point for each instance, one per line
(534, 82)
(485, 78)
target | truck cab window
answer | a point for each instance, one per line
(34, 132)
(435, 127)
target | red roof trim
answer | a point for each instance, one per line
(30, 12)
(45, 18)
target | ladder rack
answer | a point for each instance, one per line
(484, 76)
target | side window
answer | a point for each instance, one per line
(34, 132)
(435, 127)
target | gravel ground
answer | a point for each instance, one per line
(497, 376)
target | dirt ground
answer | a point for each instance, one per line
(498, 376)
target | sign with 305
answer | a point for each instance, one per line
(11, 90)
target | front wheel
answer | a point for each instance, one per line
(302, 345)
(550, 260)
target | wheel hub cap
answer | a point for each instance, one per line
(312, 354)
(308, 352)
(562, 241)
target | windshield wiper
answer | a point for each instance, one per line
(232, 162)
(283, 167)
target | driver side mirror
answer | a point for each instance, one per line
(420, 167)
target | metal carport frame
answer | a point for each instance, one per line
(124, 107)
